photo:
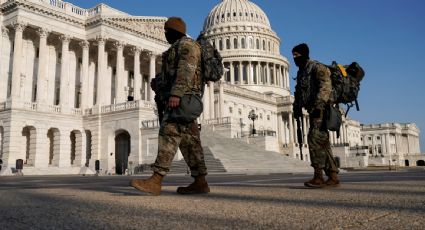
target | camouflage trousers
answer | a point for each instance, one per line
(320, 147)
(187, 138)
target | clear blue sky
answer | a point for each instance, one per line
(387, 37)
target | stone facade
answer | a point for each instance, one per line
(74, 84)
(74, 89)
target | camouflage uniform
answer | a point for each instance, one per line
(312, 92)
(180, 75)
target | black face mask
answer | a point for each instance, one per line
(300, 61)
(172, 36)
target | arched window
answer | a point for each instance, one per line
(235, 43)
(258, 44)
(220, 45)
(228, 43)
(264, 45)
(243, 43)
(251, 43)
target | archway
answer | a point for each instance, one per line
(122, 151)
(54, 146)
(406, 162)
(88, 147)
(29, 138)
(76, 147)
(420, 163)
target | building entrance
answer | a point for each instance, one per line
(122, 151)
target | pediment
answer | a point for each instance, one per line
(152, 27)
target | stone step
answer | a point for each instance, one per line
(238, 156)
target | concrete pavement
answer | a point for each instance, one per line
(365, 200)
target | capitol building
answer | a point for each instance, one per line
(74, 90)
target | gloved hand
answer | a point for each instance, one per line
(317, 114)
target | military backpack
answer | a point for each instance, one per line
(346, 83)
(211, 61)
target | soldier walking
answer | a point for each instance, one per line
(180, 75)
(312, 92)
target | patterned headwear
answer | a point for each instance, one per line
(176, 24)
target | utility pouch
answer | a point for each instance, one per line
(190, 108)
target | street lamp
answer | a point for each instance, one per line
(252, 116)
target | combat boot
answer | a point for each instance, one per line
(199, 186)
(317, 181)
(152, 185)
(333, 179)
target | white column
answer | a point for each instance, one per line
(285, 71)
(206, 101)
(85, 76)
(17, 61)
(64, 74)
(3, 74)
(250, 73)
(291, 129)
(232, 74)
(280, 128)
(91, 78)
(304, 128)
(152, 73)
(101, 67)
(221, 100)
(120, 81)
(42, 78)
(137, 76)
(240, 73)
(212, 102)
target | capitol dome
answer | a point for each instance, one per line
(235, 11)
(242, 33)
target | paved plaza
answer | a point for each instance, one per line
(365, 200)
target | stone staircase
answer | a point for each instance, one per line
(57, 171)
(213, 164)
(240, 157)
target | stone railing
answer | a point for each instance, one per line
(218, 121)
(150, 124)
(57, 109)
(127, 106)
(54, 109)
(73, 10)
(5, 105)
(248, 93)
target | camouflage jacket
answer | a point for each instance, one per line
(181, 70)
(314, 86)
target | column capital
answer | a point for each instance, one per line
(101, 40)
(152, 54)
(85, 44)
(65, 38)
(43, 32)
(119, 44)
(4, 31)
(19, 26)
(136, 50)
